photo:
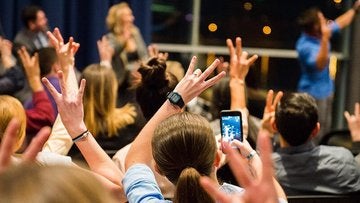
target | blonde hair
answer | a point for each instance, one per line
(112, 19)
(101, 114)
(57, 184)
(11, 108)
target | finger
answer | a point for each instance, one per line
(238, 165)
(209, 69)
(22, 55)
(357, 110)
(265, 151)
(58, 35)
(191, 67)
(243, 56)
(212, 81)
(75, 48)
(238, 47)
(36, 144)
(269, 98)
(53, 40)
(252, 59)
(51, 88)
(347, 116)
(69, 50)
(8, 143)
(230, 47)
(36, 60)
(81, 90)
(277, 98)
(213, 190)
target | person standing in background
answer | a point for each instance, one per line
(313, 48)
(33, 35)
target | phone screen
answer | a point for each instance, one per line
(231, 126)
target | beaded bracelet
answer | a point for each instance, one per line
(81, 136)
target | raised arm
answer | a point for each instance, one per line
(269, 111)
(70, 108)
(239, 68)
(193, 83)
(346, 18)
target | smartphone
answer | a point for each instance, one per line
(231, 125)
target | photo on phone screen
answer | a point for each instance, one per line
(231, 125)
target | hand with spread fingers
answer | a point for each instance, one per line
(354, 122)
(239, 61)
(261, 190)
(32, 69)
(153, 51)
(9, 139)
(106, 51)
(66, 52)
(269, 111)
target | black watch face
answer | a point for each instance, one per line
(175, 98)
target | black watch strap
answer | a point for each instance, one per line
(176, 99)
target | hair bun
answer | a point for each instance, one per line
(154, 73)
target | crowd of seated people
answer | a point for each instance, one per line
(163, 153)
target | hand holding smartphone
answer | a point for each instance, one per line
(231, 125)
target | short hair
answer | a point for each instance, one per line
(155, 83)
(29, 13)
(101, 114)
(56, 183)
(296, 116)
(47, 58)
(184, 148)
(308, 19)
(112, 19)
(10, 108)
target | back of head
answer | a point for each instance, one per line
(61, 184)
(47, 58)
(29, 14)
(308, 19)
(155, 83)
(11, 108)
(184, 149)
(220, 97)
(112, 19)
(296, 117)
(99, 96)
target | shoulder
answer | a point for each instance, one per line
(231, 189)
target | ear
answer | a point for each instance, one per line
(157, 169)
(315, 131)
(217, 161)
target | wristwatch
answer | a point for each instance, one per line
(176, 99)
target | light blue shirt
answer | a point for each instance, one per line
(315, 82)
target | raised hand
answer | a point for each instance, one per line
(261, 190)
(66, 52)
(32, 68)
(269, 110)
(153, 51)
(69, 104)
(194, 82)
(354, 122)
(106, 51)
(9, 139)
(239, 61)
(5, 51)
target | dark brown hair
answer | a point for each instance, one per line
(155, 83)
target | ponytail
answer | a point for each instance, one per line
(188, 188)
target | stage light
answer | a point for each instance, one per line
(266, 30)
(212, 27)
